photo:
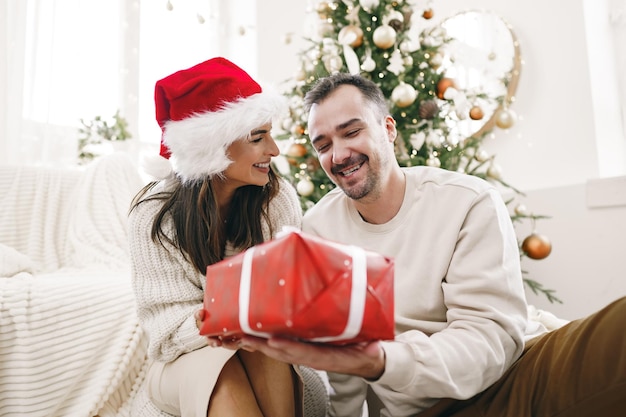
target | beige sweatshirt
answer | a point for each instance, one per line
(461, 317)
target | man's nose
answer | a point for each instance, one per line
(340, 153)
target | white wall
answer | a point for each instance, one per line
(551, 152)
(587, 229)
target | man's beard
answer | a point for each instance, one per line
(362, 190)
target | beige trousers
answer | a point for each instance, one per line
(578, 370)
(184, 387)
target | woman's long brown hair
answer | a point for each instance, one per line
(201, 233)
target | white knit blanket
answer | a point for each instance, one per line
(70, 342)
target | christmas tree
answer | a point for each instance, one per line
(391, 43)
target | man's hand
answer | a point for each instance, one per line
(366, 360)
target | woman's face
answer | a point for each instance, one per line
(251, 159)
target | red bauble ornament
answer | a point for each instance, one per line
(537, 246)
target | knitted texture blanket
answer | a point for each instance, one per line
(70, 343)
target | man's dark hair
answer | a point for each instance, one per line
(325, 86)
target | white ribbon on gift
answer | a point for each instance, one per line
(357, 295)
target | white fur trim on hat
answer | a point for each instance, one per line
(157, 167)
(198, 143)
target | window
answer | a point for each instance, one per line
(76, 59)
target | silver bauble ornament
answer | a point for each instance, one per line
(481, 155)
(384, 36)
(305, 187)
(433, 161)
(494, 171)
(369, 64)
(403, 95)
(521, 210)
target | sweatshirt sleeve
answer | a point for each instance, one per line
(167, 288)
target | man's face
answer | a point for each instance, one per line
(354, 145)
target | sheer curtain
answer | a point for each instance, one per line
(618, 25)
(63, 60)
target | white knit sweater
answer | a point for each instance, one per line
(169, 289)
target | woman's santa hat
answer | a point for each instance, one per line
(201, 111)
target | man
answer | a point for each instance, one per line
(461, 318)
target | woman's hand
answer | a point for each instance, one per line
(216, 341)
(200, 316)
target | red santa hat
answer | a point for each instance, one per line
(202, 110)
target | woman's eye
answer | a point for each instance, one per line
(256, 140)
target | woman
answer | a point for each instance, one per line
(220, 196)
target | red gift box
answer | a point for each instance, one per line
(301, 286)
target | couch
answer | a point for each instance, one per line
(70, 342)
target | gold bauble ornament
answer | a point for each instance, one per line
(300, 74)
(305, 187)
(323, 10)
(384, 36)
(505, 118)
(297, 129)
(536, 246)
(333, 63)
(436, 60)
(325, 29)
(428, 14)
(476, 113)
(403, 95)
(443, 85)
(296, 150)
(350, 35)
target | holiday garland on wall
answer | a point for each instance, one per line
(377, 39)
